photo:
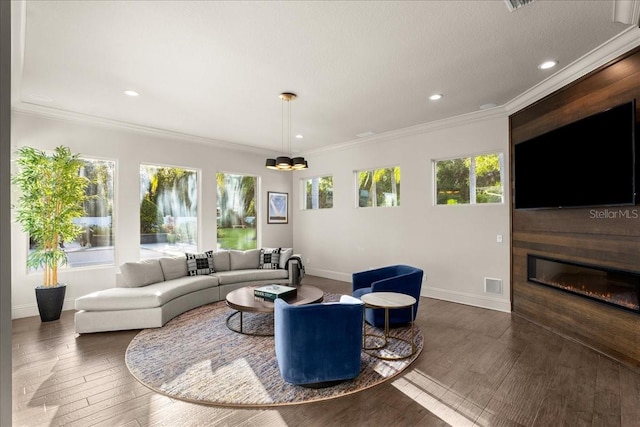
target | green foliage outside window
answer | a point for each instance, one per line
(236, 211)
(379, 187)
(318, 192)
(168, 205)
(470, 180)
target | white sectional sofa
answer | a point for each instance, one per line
(150, 293)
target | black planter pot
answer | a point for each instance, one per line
(50, 302)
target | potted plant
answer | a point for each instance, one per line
(52, 193)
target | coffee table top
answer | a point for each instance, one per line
(243, 299)
(388, 300)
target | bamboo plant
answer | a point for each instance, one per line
(52, 193)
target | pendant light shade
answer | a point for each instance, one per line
(286, 163)
(299, 163)
(271, 164)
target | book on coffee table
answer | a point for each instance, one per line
(271, 292)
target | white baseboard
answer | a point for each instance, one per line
(328, 274)
(481, 301)
(29, 310)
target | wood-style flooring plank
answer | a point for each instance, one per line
(478, 368)
(629, 397)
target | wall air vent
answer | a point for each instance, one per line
(516, 4)
(493, 286)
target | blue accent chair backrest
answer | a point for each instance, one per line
(400, 278)
(318, 344)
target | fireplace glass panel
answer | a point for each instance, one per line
(619, 288)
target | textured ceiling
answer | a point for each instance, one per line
(215, 69)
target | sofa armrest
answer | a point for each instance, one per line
(293, 268)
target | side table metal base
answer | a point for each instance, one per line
(241, 329)
(394, 301)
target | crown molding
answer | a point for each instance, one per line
(606, 52)
(463, 119)
(624, 10)
(68, 116)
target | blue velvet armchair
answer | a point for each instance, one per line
(318, 345)
(403, 279)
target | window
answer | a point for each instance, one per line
(470, 180)
(94, 244)
(168, 211)
(379, 187)
(236, 211)
(318, 192)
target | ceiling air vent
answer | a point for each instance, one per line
(516, 4)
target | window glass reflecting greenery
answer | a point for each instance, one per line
(379, 187)
(453, 181)
(470, 180)
(236, 211)
(94, 244)
(318, 192)
(168, 211)
(489, 178)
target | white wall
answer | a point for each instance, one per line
(130, 148)
(455, 245)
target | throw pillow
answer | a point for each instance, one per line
(285, 254)
(221, 261)
(141, 273)
(244, 260)
(269, 258)
(200, 263)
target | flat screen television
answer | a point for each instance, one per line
(590, 162)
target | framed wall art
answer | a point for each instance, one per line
(277, 208)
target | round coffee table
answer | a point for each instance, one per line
(243, 300)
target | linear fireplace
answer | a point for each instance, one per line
(613, 287)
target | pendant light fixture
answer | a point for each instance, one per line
(286, 163)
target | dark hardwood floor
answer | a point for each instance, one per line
(478, 367)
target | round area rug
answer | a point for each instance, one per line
(197, 358)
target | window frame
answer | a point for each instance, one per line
(472, 198)
(257, 199)
(67, 266)
(303, 192)
(374, 200)
(198, 192)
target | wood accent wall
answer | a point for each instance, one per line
(576, 234)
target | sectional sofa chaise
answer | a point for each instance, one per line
(149, 293)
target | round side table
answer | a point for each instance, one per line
(388, 301)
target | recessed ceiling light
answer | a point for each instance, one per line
(547, 64)
(435, 96)
(131, 93)
(298, 136)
